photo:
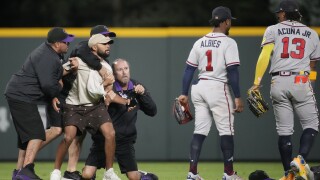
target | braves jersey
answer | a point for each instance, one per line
(295, 45)
(212, 54)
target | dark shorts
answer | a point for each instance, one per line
(54, 118)
(88, 118)
(125, 155)
(27, 122)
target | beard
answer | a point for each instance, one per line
(103, 54)
(125, 80)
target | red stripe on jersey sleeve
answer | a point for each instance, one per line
(233, 63)
(267, 43)
(191, 64)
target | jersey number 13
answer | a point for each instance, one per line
(300, 45)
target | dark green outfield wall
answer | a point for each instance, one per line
(158, 63)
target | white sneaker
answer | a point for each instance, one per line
(110, 175)
(192, 176)
(234, 176)
(55, 175)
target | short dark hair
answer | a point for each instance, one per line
(216, 23)
(294, 16)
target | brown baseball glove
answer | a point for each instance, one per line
(181, 112)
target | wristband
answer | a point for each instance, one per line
(313, 75)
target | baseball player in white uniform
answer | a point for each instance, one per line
(294, 49)
(217, 59)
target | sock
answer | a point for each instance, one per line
(227, 148)
(195, 150)
(29, 166)
(285, 149)
(306, 141)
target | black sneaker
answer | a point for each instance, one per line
(27, 173)
(76, 175)
(14, 174)
(148, 176)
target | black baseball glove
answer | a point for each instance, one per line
(181, 112)
(256, 102)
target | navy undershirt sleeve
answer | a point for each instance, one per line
(187, 78)
(233, 78)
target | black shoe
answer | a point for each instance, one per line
(76, 175)
(27, 173)
(148, 176)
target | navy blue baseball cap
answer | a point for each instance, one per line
(58, 34)
(288, 6)
(221, 13)
(102, 29)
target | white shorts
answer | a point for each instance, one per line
(212, 101)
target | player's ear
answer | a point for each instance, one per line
(227, 22)
(94, 47)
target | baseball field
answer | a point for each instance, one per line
(164, 170)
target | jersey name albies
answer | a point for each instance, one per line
(212, 54)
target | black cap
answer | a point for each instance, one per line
(288, 6)
(102, 29)
(58, 34)
(221, 13)
(259, 175)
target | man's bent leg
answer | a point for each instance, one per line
(74, 152)
(70, 134)
(21, 157)
(88, 172)
(109, 134)
(51, 134)
(133, 175)
(31, 151)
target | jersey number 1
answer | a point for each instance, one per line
(209, 60)
(300, 45)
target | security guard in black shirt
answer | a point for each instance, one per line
(124, 120)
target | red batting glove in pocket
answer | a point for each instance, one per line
(300, 79)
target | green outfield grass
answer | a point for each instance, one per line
(164, 170)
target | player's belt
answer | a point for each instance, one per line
(289, 73)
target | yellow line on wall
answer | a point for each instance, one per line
(136, 32)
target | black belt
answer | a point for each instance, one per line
(288, 73)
